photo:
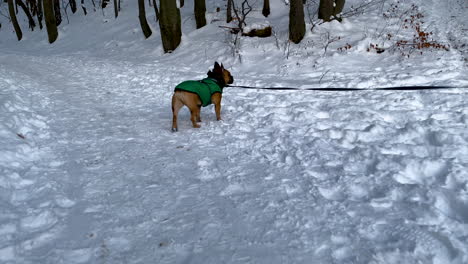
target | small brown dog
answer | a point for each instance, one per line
(195, 94)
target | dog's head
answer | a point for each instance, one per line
(221, 75)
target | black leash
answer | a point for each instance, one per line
(334, 89)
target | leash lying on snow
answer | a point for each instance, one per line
(332, 89)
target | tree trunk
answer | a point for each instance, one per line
(84, 7)
(229, 11)
(339, 5)
(32, 5)
(116, 8)
(266, 8)
(58, 14)
(199, 10)
(49, 17)
(296, 21)
(72, 5)
(325, 11)
(156, 11)
(16, 26)
(104, 3)
(170, 25)
(329, 9)
(32, 23)
(142, 16)
(40, 14)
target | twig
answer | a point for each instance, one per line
(323, 75)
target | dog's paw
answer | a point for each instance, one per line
(174, 129)
(196, 126)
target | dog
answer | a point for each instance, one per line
(195, 94)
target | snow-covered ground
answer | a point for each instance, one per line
(91, 173)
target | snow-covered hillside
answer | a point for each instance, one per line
(91, 173)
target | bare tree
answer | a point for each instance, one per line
(296, 21)
(58, 14)
(32, 23)
(241, 14)
(266, 8)
(72, 4)
(116, 8)
(229, 11)
(330, 9)
(49, 17)
(156, 11)
(16, 26)
(142, 16)
(40, 14)
(199, 10)
(170, 25)
(104, 3)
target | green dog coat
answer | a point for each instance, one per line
(204, 89)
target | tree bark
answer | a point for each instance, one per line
(84, 7)
(325, 11)
(142, 16)
(116, 8)
(266, 8)
(339, 5)
(156, 11)
(32, 5)
(16, 26)
(72, 5)
(40, 14)
(32, 23)
(329, 9)
(58, 14)
(296, 21)
(200, 10)
(49, 17)
(170, 25)
(229, 11)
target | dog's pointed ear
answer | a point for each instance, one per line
(222, 66)
(216, 65)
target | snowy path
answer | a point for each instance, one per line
(288, 177)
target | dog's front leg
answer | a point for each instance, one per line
(216, 99)
(198, 114)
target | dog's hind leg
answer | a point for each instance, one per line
(194, 115)
(176, 106)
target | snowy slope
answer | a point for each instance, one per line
(90, 172)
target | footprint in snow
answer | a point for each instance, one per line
(423, 172)
(38, 222)
(413, 239)
(236, 188)
(208, 169)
